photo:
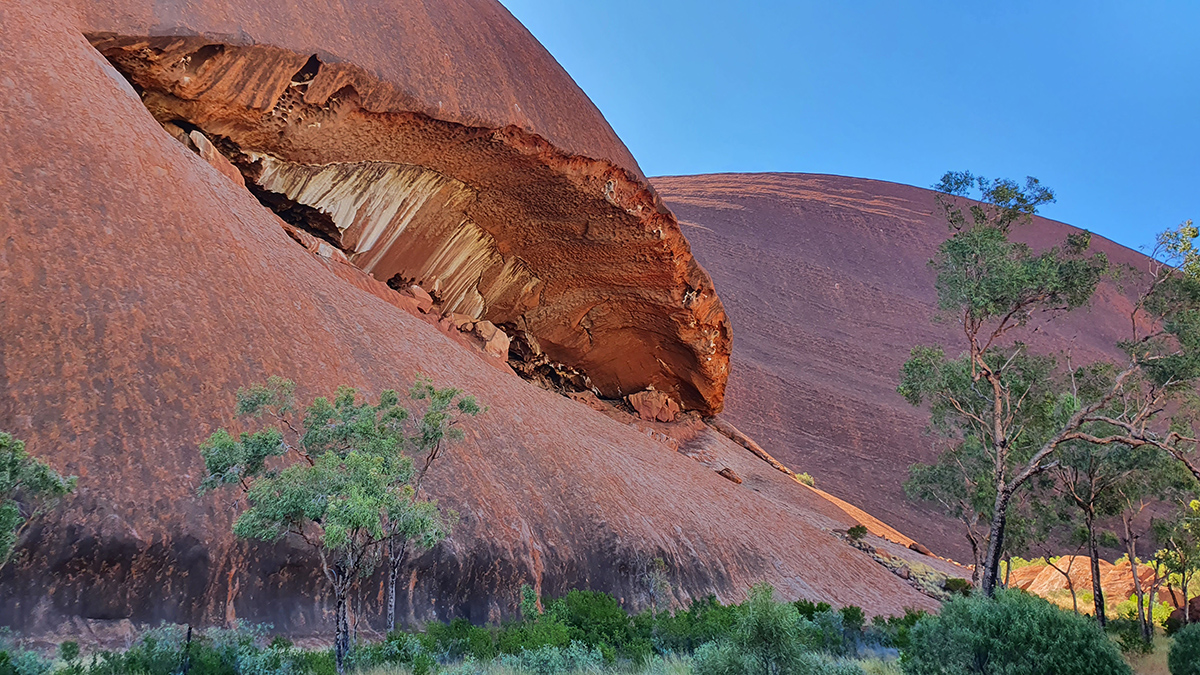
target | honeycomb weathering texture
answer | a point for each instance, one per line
(575, 256)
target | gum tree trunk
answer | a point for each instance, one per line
(1094, 555)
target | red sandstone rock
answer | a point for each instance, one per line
(216, 159)
(729, 474)
(826, 281)
(139, 289)
(424, 300)
(920, 548)
(575, 250)
(654, 406)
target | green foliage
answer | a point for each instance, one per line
(853, 618)
(895, 631)
(1000, 202)
(957, 586)
(68, 651)
(857, 532)
(1184, 656)
(575, 657)
(766, 640)
(807, 479)
(685, 631)
(596, 619)
(28, 488)
(339, 479)
(1015, 633)
(809, 609)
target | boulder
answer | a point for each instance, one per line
(920, 548)
(654, 406)
(730, 475)
(216, 159)
(424, 300)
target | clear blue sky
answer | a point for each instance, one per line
(1098, 99)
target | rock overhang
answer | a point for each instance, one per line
(576, 258)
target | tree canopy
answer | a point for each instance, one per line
(28, 487)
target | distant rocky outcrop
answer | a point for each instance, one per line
(826, 283)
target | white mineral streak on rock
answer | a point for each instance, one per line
(406, 219)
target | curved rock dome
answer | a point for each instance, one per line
(139, 289)
(439, 144)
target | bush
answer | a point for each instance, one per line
(766, 640)
(1184, 657)
(826, 632)
(956, 586)
(460, 639)
(16, 660)
(597, 620)
(857, 532)
(684, 632)
(1016, 634)
(808, 609)
(807, 479)
(549, 660)
(894, 631)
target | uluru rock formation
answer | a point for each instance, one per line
(141, 285)
(827, 284)
(442, 146)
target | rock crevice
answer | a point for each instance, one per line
(576, 255)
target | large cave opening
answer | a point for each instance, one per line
(575, 258)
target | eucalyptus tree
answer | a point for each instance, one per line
(333, 477)
(28, 488)
(1012, 410)
(1179, 536)
(1159, 478)
(416, 524)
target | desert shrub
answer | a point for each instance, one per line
(16, 660)
(853, 618)
(166, 650)
(809, 609)
(546, 631)
(683, 632)
(1015, 634)
(825, 632)
(767, 639)
(807, 479)
(957, 586)
(460, 639)
(1159, 613)
(576, 657)
(894, 631)
(598, 620)
(1128, 634)
(857, 532)
(1184, 656)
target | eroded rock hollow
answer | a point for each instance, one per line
(575, 258)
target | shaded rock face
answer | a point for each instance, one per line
(576, 255)
(140, 287)
(828, 289)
